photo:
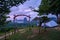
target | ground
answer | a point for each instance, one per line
(33, 34)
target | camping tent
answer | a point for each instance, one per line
(50, 24)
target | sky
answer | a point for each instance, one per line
(25, 9)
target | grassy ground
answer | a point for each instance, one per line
(51, 34)
(1, 33)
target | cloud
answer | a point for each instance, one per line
(14, 8)
(21, 8)
(24, 9)
(33, 3)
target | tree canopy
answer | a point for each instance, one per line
(49, 6)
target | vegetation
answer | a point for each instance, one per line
(4, 8)
(49, 6)
(48, 35)
(44, 7)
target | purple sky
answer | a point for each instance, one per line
(24, 9)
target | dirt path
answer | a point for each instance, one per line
(35, 31)
(21, 31)
(1, 37)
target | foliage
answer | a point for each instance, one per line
(55, 8)
(49, 35)
(4, 8)
(49, 6)
(43, 8)
(45, 19)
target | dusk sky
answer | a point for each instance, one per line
(24, 9)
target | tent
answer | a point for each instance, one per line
(50, 24)
(52, 17)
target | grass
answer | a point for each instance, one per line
(1, 33)
(20, 36)
(51, 35)
(48, 35)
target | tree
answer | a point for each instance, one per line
(4, 8)
(54, 7)
(50, 6)
(44, 7)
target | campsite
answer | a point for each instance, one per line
(29, 20)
